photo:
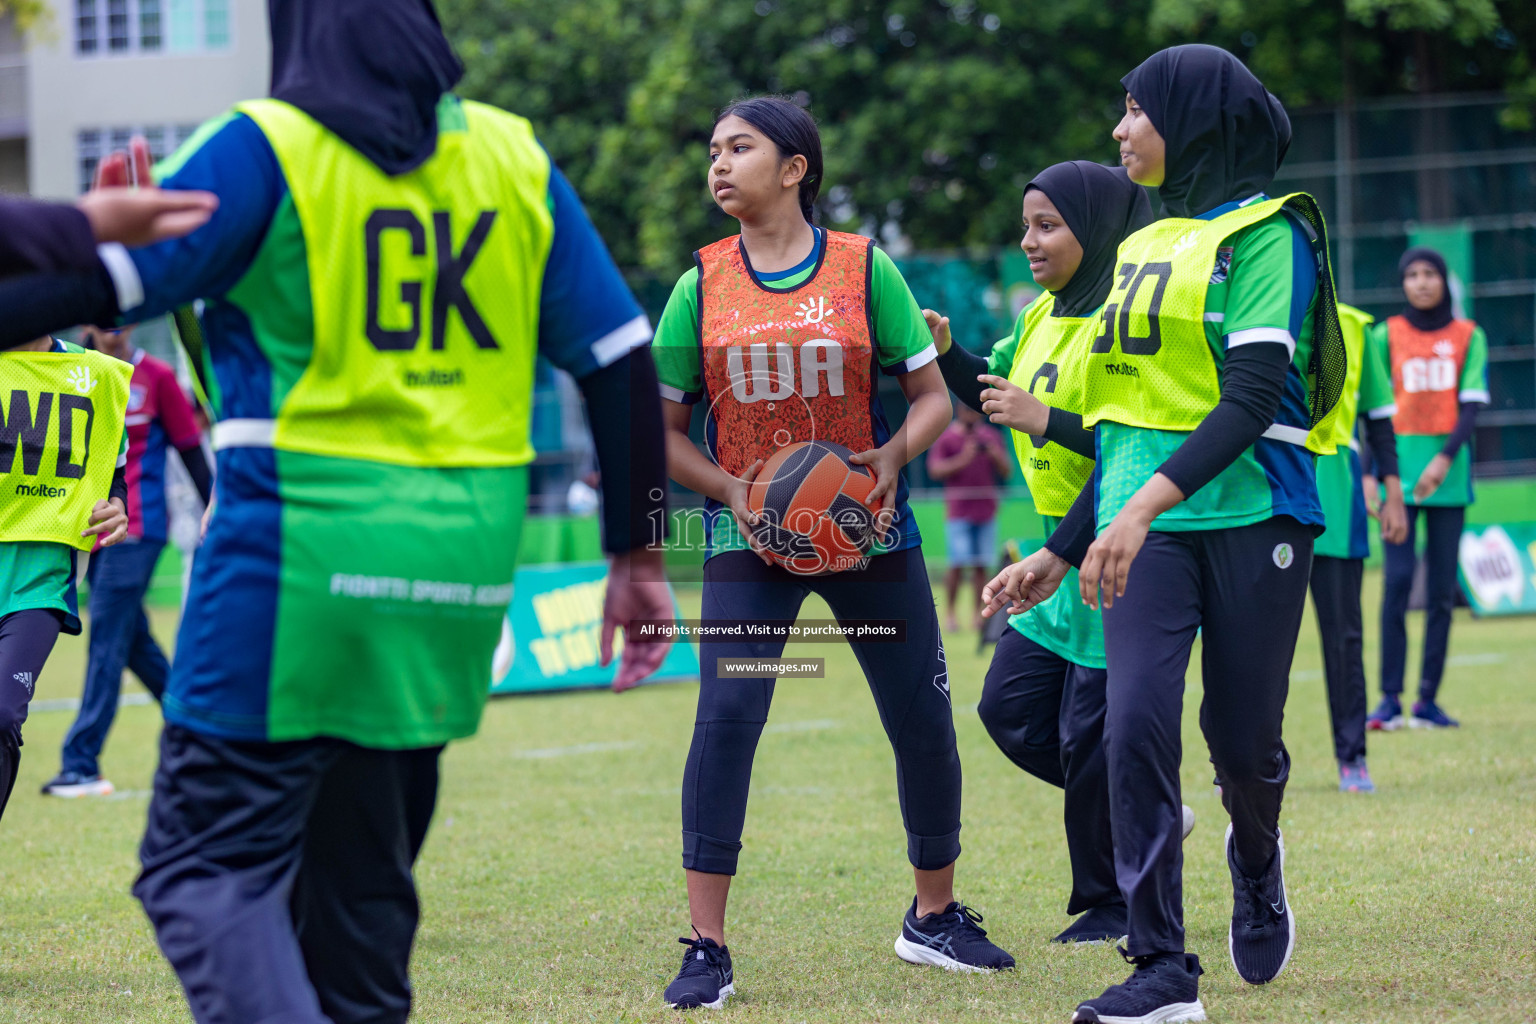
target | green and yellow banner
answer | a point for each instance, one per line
(549, 640)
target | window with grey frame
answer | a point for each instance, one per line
(122, 27)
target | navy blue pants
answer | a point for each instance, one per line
(1336, 596)
(1047, 715)
(278, 876)
(1243, 590)
(26, 639)
(1442, 539)
(119, 638)
(909, 680)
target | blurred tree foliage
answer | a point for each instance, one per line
(934, 113)
(28, 14)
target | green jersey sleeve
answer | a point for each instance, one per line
(903, 342)
(1000, 359)
(1263, 302)
(1474, 373)
(1376, 399)
(122, 450)
(675, 348)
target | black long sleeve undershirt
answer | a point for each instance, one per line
(1067, 430)
(1378, 448)
(119, 487)
(196, 461)
(961, 367)
(624, 409)
(1075, 532)
(1466, 420)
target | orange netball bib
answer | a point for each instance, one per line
(1426, 371)
(786, 366)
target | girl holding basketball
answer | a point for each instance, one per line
(778, 331)
(1043, 700)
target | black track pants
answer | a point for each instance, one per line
(1243, 590)
(909, 680)
(1442, 538)
(278, 876)
(1047, 715)
(1336, 596)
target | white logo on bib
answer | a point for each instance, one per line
(80, 379)
(1283, 555)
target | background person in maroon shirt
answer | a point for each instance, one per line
(971, 462)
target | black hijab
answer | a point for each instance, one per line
(372, 71)
(1427, 319)
(1101, 206)
(1226, 134)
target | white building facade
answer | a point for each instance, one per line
(99, 72)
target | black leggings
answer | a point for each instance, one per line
(26, 640)
(909, 681)
(1442, 537)
(1047, 715)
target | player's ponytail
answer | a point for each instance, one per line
(793, 130)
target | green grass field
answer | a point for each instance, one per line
(552, 887)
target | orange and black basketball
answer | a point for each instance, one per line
(810, 502)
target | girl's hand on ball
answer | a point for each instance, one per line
(746, 519)
(1009, 405)
(885, 465)
(109, 521)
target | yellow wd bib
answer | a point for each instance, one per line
(425, 291)
(1049, 365)
(1151, 364)
(59, 441)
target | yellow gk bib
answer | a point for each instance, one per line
(1049, 365)
(424, 289)
(1151, 364)
(59, 441)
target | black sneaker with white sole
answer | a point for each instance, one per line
(73, 784)
(952, 939)
(705, 979)
(1263, 925)
(1164, 988)
(1106, 923)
